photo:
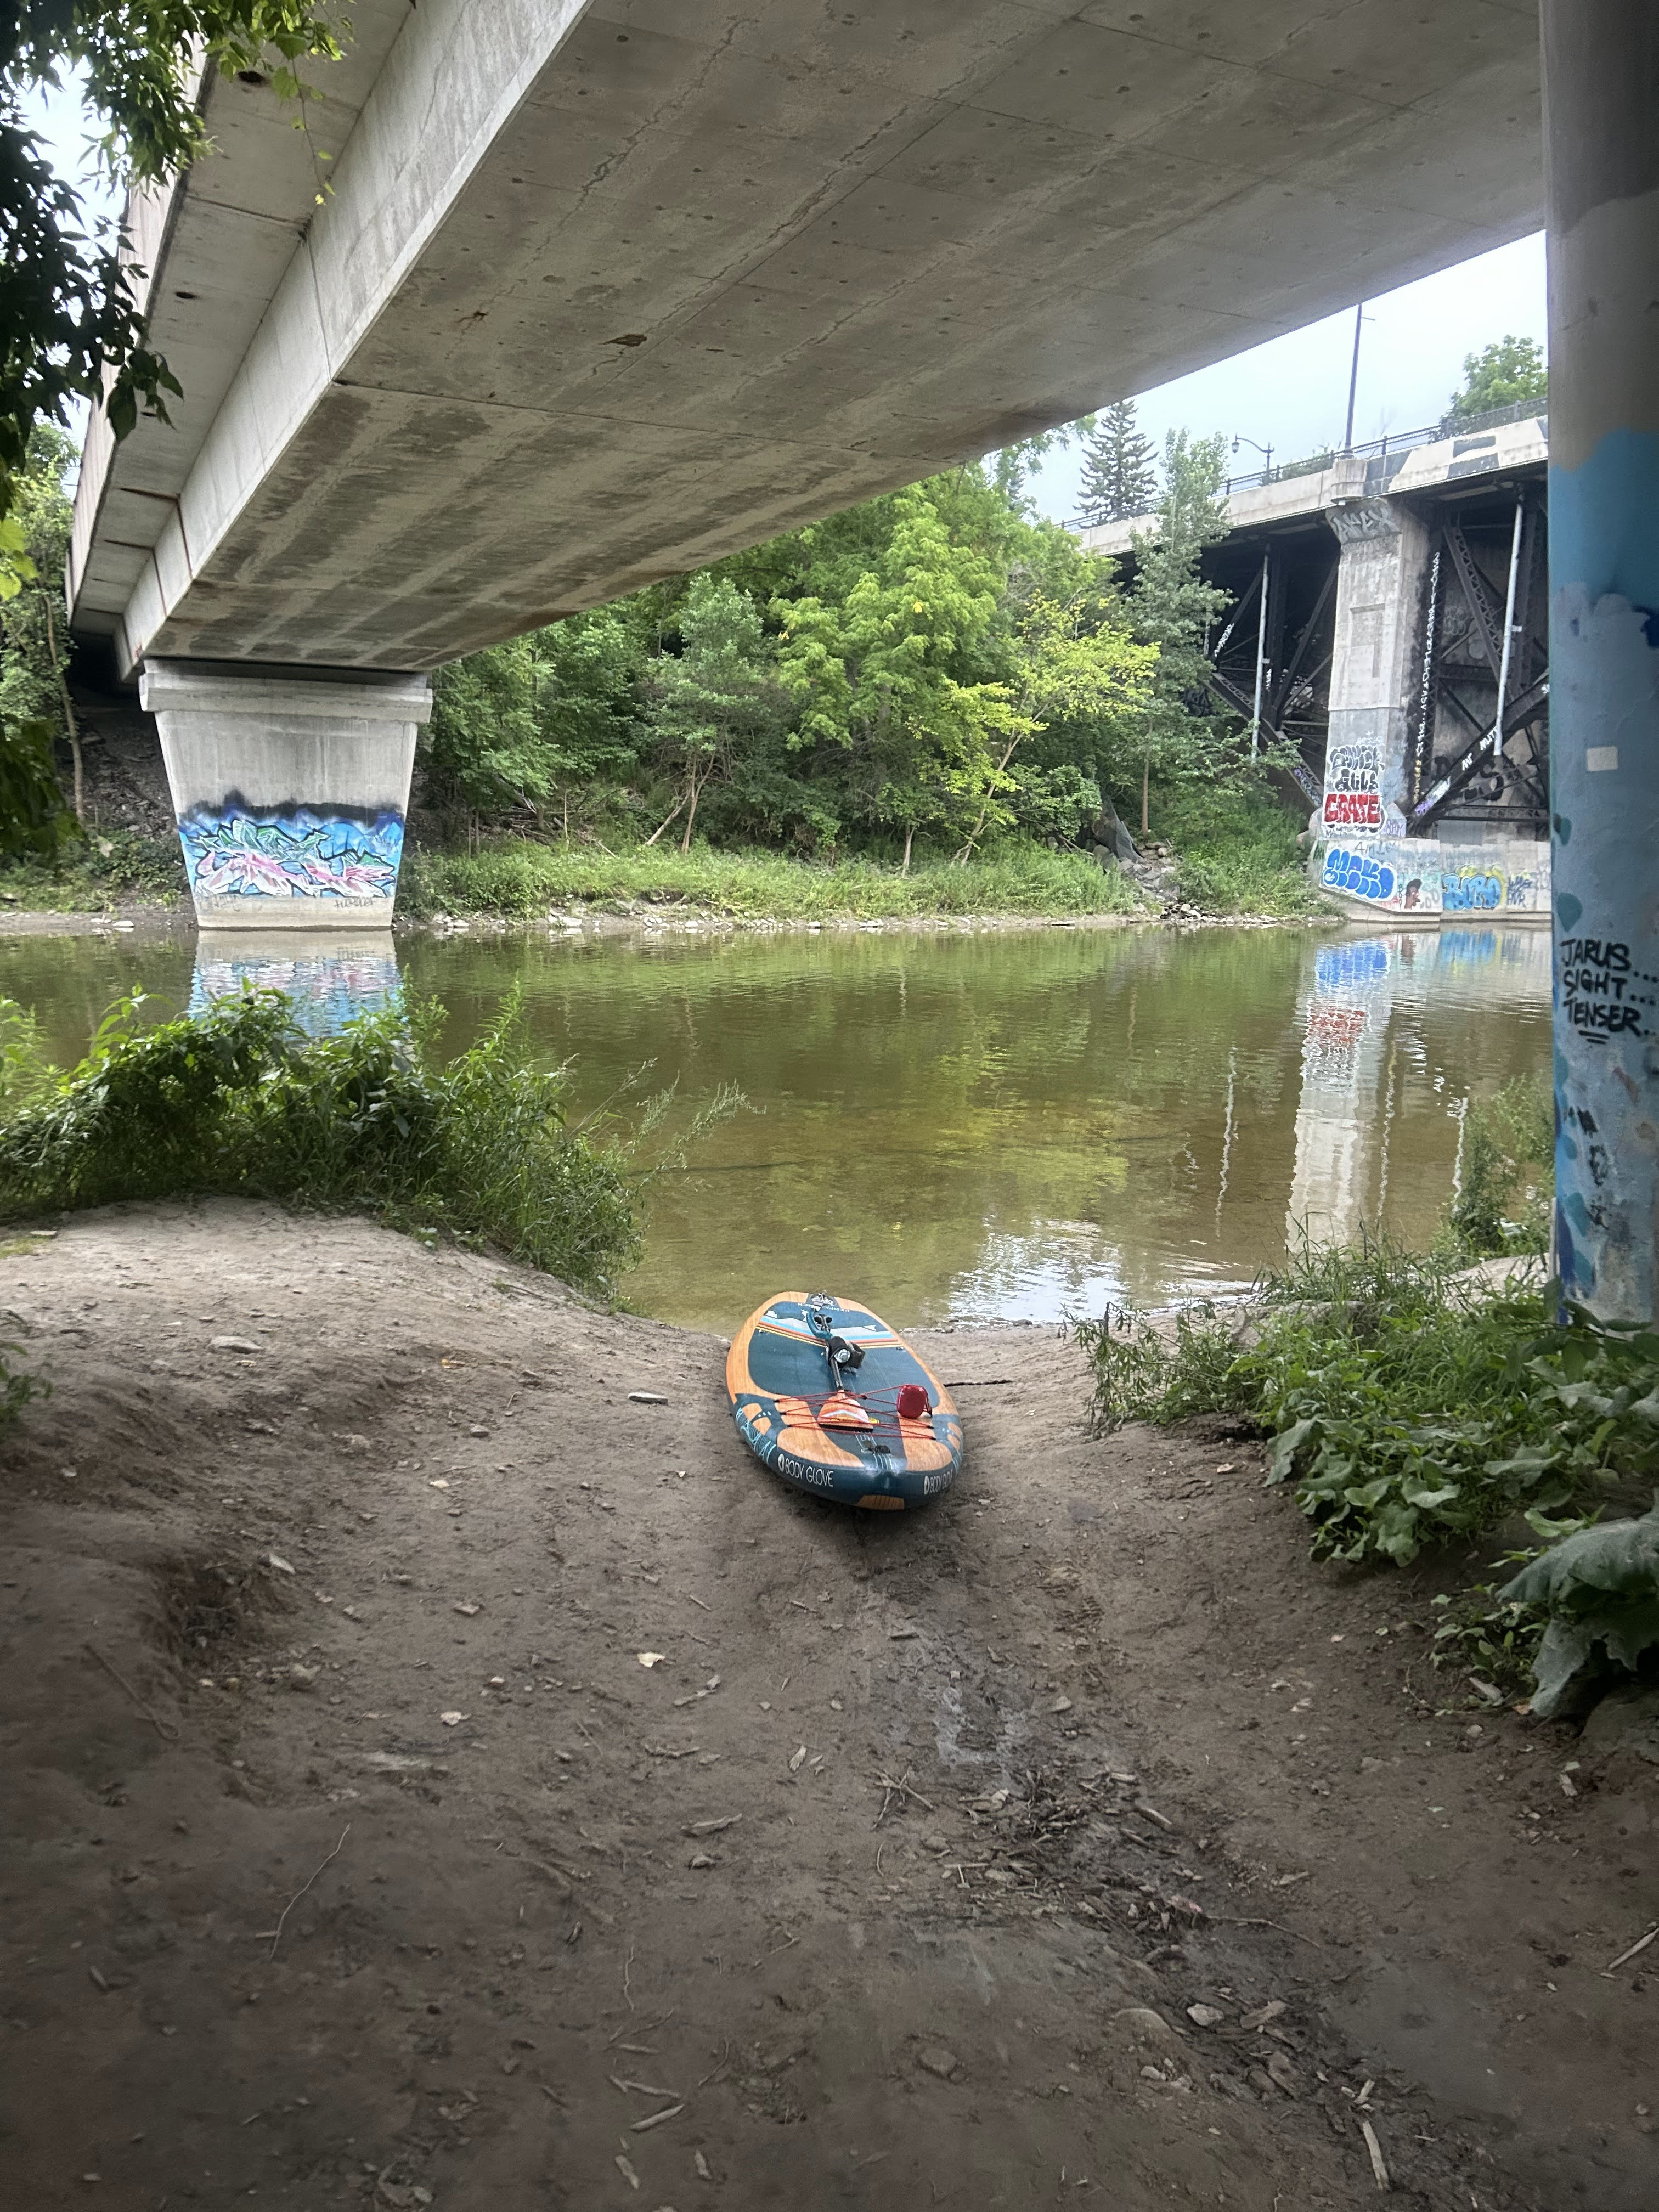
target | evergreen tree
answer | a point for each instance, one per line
(1120, 477)
(1173, 608)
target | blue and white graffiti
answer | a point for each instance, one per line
(1358, 874)
(237, 853)
(1470, 892)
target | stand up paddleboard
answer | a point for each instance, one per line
(836, 1403)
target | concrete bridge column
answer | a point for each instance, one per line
(290, 789)
(1375, 675)
(1602, 132)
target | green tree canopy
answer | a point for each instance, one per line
(717, 696)
(68, 323)
(1174, 608)
(35, 707)
(1508, 371)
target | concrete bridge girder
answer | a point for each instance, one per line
(856, 246)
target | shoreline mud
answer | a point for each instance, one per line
(436, 1779)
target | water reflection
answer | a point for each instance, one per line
(329, 977)
(961, 1124)
(1364, 1058)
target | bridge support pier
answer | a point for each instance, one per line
(1382, 569)
(290, 789)
(1601, 131)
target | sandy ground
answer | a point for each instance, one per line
(1074, 1843)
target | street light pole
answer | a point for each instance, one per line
(1353, 378)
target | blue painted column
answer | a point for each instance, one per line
(1602, 134)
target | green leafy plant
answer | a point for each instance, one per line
(1600, 1588)
(1506, 1181)
(1407, 1407)
(238, 1099)
(1146, 1373)
(17, 1387)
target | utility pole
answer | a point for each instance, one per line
(1353, 378)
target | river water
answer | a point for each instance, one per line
(969, 1125)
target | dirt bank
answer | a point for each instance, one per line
(1074, 1843)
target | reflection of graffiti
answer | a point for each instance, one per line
(1357, 875)
(292, 854)
(1333, 1033)
(1350, 967)
(1471, 893)
(325, 989)
(1466, 948)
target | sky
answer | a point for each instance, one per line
(1293, 393)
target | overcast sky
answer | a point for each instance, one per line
(1291, 393)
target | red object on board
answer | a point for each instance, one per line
(912, 1401)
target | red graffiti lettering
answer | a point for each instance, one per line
(1353, 810)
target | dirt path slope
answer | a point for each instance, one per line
(1073, 1842)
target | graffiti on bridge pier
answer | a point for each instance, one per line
(1603, 992)
(1353, 798)
(1360, 875)
(234, 853)
(1418, 876)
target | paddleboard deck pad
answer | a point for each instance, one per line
(835, 1403)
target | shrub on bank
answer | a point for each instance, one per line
(106, 868)
(521, 879)
(1236, 851)
(1506, 1179)
(1410, 1408)
(238, 1100)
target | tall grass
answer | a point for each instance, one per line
(239, 1100)
(1236, 851)
(518, 878)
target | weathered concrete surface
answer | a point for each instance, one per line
(601, 293)
(290, 796)
(1603, 62)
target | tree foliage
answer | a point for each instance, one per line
(69, 327)
(1501, 374)
(934, 667)
(1120, 471)
(1174, 608)
(34, 703)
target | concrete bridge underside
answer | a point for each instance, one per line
(596, 294)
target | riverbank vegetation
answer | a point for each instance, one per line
(238, 1100)
(1417, 1405)
(1413, 1411)
(934, 703)
(520, 878)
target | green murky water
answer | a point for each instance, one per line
(958, 1125)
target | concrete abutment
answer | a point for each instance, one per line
(290, 790)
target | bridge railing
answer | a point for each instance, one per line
(1396, 441)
